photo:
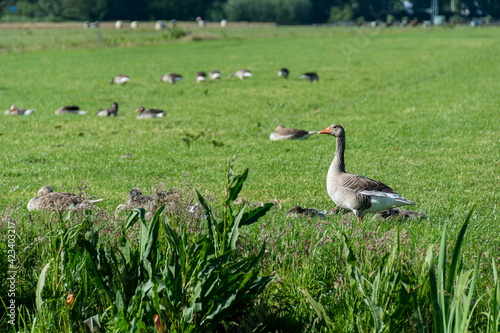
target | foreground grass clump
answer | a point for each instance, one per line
(192, 285)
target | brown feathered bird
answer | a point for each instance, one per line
(48, 199)
(283, 133)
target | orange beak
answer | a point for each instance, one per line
(325, 131)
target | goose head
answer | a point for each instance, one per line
(44, 191)
(140, 109)
(335, 130)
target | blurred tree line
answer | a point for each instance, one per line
(279, 11)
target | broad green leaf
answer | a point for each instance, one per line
(234, 190)
(255, 214)
(134, 216)
(234, 233)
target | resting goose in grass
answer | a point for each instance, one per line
(241, 74)
(283, 133)
(120, 79)
(283, 73)
(171, 78)
(15, 111)
(359, 194)
(48, 199)
(215, 74)
(201, 77)
(112, 111)
(311, 76)
(142, 113)
(70, 109)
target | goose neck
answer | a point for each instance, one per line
(338, 160)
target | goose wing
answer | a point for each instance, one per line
(362, 184)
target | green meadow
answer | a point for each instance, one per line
(420, 108)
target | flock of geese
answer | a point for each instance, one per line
(172, 78)
(349, 192)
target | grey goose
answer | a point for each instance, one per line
(357, 193)
(48, 199)
(70, 109)
(142, 113)
(241, 74)
(15, 111)
(311, 76)
(284, 72)
(201, 77)
(111, 111)
(215, 74)
(120, 79)
(283, 133)
(171, 78)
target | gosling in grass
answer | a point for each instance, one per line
(70, 109)
(15, 111)
(142, 113)
(241, 201)
(297, 211)
(120, 79)
(48, 199)
(150, 203)
(171, 78)
(111, 111)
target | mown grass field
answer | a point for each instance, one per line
(420, 108)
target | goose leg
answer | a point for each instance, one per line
(359, 220)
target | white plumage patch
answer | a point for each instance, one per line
(123, 80)
(383, 200)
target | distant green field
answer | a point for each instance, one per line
(421, 110)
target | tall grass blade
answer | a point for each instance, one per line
(467, 310)
(39, 287)
(375, 309)
(456, 252)
(319, 309)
